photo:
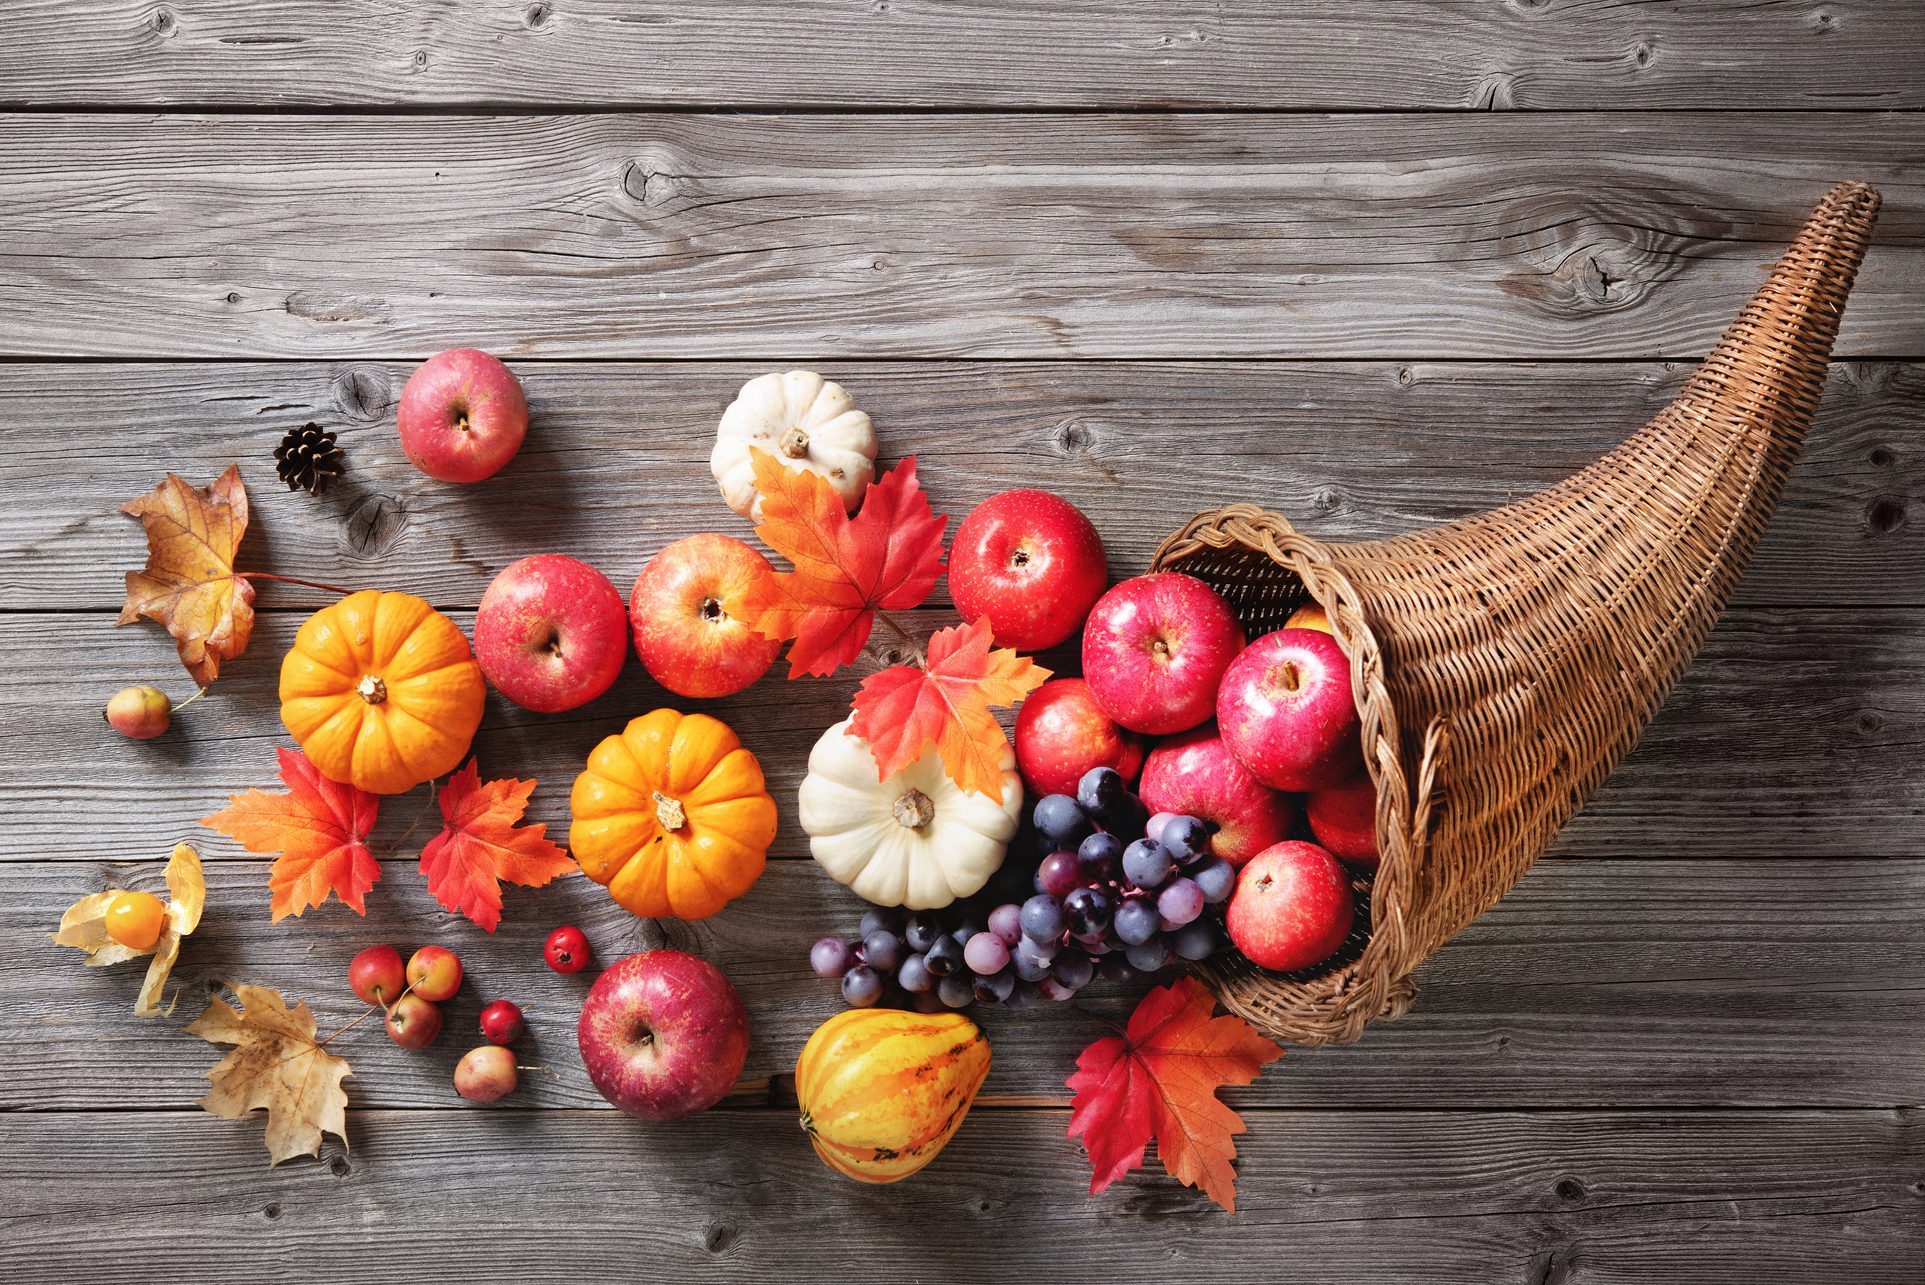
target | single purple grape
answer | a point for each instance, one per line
(1153, 829)
(913, 975)
(861, 986)
(1074, 969)
(1057, 874)
(1194, 941)
(1147, 957)
(831, 957)
(1135, 920)
(1096, 856)
(986, 953)
(1147, 863)
(1180, 902)
(1216, 877)
(879, 919)
(996, 987)
(1116, 968)
(957, 990)
(1187, 839)
(882, 950)
(1006, 921)
(1042, 918)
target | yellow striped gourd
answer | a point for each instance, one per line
(882, 1091)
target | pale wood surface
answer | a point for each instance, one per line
(1012, 53)
(822, 237)
(1154, 256)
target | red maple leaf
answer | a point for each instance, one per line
(1159, 1079)
(888, 558)
(481, 845)
(946, 702)
(319, 828)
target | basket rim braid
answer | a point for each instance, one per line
(1503, 663)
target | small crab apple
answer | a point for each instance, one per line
(377, 975)
(567, 949)
(486, 1073)
(501, 1022)
(413, 1022)
(140, 713)
(435, 973)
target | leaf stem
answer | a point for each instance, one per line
(908, 638)
(310, 584)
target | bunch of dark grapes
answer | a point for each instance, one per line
(1120, 893)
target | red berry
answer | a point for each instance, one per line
(567, 949)
(501, 1022)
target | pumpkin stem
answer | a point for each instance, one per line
(794, 443)
(670, 812)
(914, 810)
(371, 689)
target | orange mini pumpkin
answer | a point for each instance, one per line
(672, 816)
(382, 692)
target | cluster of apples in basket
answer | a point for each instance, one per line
(1258, 739)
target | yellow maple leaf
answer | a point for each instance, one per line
(278, 1066)
(84, 927)
(189, 584)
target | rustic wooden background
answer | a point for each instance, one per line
(1374, 264)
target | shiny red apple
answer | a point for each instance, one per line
(552, 633)
(1195, 774)
(687, 628)
(1031, 564)
(1154, 649)
(1061, 733)
(1344, 819)
(462, 416)
(663, 1034)
(1292, 907)
(1285, 709)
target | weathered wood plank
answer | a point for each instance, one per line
(1796, 734)
(1073, 53)
(1343, 1197)
(617, 461)
(1607, 984)
(1474, 235)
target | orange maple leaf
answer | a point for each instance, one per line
(481, 845)
(189, 584)
(903, 710)
(319, 828)
(1160, 1079)
(888, 557)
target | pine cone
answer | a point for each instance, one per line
(308, 460)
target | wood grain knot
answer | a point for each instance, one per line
(1585, 258)
(330, 308)
(1570, 1189)
(1072, 437)
(363, 394)
(1886, 514)
(536, 16)
(375, 524)
(720, 1236)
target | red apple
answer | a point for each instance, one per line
(462, 416)
(687, 628)
(434, 973)
(1195, 774)
(376, 975)
(1154, 649)
(413, 1022)
(141, 713)
(1285, 708)
(1030, 563)
(663, 1034)
(502, 1022)
(1310, 616)
(486, 1073)
(1291, 909)
(1061, 733)
(551, 634)
(1344, 819)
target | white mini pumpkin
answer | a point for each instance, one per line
(914, 840)
(803, 420)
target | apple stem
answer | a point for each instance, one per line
(310, 584)
(190, 700)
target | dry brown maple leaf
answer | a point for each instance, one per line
(1159, 1079)
(189, 584)
(946, 702)
(277, 1066)
(84, 927)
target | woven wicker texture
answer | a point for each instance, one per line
(1504, 663)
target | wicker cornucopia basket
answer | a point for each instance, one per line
(1504, 663)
